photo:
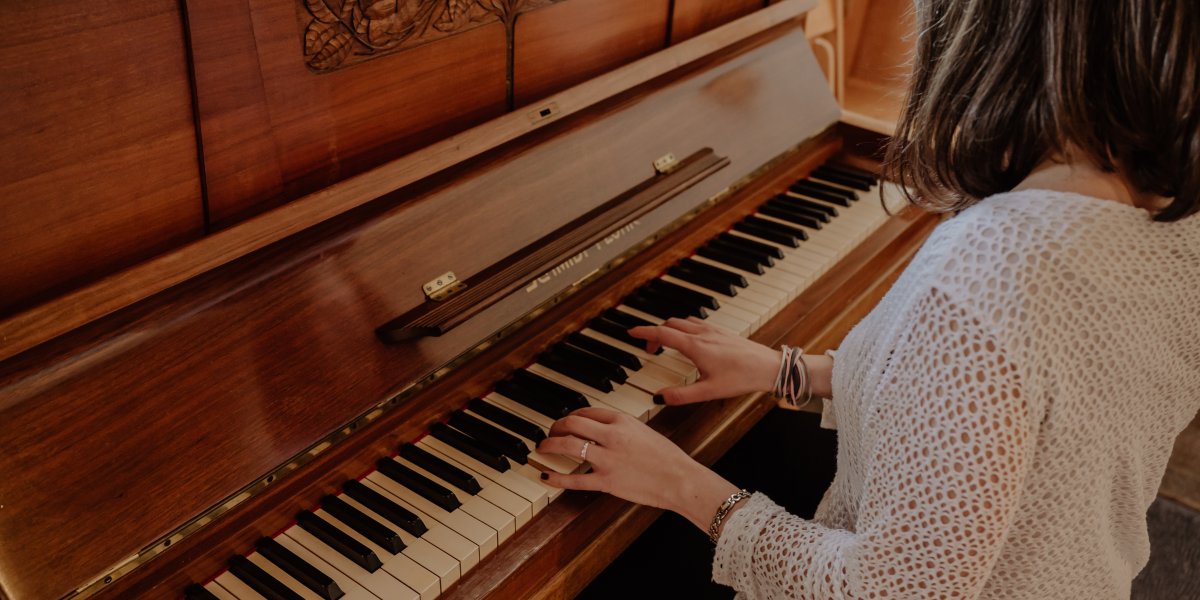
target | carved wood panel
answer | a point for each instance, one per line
(340, 33)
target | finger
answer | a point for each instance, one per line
(690, 394)
(691, 325)
(566, 445)
(664, 336)
(595, 413)
(581, 427)
(576, 481)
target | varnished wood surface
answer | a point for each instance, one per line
(693, 17)
(122, 430)
(274, 131)
(29, 328)
(569, 42)
(98, 163)
(530, 563)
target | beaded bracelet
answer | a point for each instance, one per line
(714, 530)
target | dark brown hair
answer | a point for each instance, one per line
(999, 86)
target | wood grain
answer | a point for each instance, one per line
(150, 417)
(29, 328)
(693, 17)
(98, 164)
(314, 130)
(570, 42)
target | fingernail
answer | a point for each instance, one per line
(658, 399)
(545, 476)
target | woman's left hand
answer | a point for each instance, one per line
(632, 461)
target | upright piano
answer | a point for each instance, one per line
(335, 392)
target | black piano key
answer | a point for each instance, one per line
(828, 189)
(259, 580)
(383, 506)
(776, 227)
(770, 235)
(705, 281)
(197, 592)
(448, 472)
(422, 485)
(373, 530)
(800, 188)
(489, 434)
(763, 258)
(670, 294)
(812, 205)
(791, 216)
(601, 364)
(470, 447)
(833, 177)
(495, 414)
(664, 308)
(618, 332)
(766, 260)
(558, 392)
(338, 540)
(617, 315)
(851, 172)
(308, 575)
(606, 351)
(848, 171)
(532, 399)
(789, 204)
(556, 362)
(738, 240)
(734, 260)
(735, 279)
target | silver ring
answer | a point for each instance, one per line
(583, 451)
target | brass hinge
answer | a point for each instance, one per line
(443, 286)
(666, 163)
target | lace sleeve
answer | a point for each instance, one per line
(950, 436)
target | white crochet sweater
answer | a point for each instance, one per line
(1005, 414)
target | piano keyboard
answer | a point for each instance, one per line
(430, 513)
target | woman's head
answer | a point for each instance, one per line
(999, 86)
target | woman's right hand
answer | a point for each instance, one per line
(729, 364)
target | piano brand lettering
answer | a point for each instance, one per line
(578, 258)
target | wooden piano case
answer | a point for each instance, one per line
(158, 418)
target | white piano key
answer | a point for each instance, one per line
(539, 495)
(487, 513)
(403, 568)
(447, 540)
(554, 462)
(432, 558)
(221, 593)
(473, 529)
(747, 308)
(237, 588)
(353, 579)
(282, 577)
(631, 401)
(685, 371)
(767, 283)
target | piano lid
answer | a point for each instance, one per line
(121, 432)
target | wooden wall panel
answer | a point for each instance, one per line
(275, 130)
(98, 164)
(693, 17)
(566, 43)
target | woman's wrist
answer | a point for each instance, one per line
(820, 373)
(700, 495)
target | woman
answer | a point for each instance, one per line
(1006, 413)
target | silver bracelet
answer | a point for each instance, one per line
(714, 530)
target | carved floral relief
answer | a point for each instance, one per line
(338, 33)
